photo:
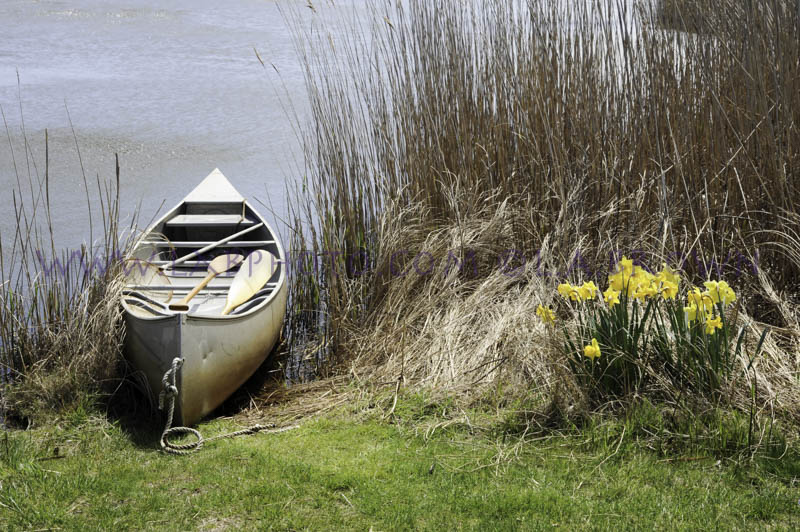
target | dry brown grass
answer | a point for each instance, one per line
(285, 405)
(555, 129)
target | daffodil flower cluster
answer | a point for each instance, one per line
(701, 305)
(640, 284)
(636, 283)
(633, 280)
(645, 321)
(584, 292)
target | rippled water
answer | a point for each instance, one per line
(174, 87)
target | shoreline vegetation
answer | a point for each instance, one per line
(571, 133)
(568, 259)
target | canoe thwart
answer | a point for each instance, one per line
(196, 244)
(209, 220)
(179, 287)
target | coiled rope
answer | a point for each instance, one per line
(169, 391)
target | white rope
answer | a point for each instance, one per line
(169, 391)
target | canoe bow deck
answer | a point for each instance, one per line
(220, 352)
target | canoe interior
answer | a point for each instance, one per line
(186, 229)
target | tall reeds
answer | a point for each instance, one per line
(509, 145)
(60, 321)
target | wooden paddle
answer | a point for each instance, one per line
(256, 270)
(217, 266)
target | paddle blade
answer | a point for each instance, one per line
(217, 266)
(223, 263)
(254, 273)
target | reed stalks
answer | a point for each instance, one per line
(60, 317)
(463, 158)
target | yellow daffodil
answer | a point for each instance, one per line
(640, 283)
(622, 278)
(568, 291)
(712, 324)
(643, 276)
(713, 290)
(708, 301)
(592, 350)
(546, 314)
(666, 275)
(564, 289)
(627, 265)
(611, 297)
(727, 295)
(669, 290)
(625, 283)
(588, 290)
(700, 299)
(645, 290)
(693, 297)
(618, 281)
(691, 313)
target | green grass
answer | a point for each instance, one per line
(340, 472)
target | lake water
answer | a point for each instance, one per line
(174, 87)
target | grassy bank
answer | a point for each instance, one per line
(354, 472)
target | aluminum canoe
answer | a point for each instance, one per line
(220, 352)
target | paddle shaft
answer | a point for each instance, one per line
(220, 264)
(196, 289)
(209, 247)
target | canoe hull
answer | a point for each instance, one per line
(219, 355)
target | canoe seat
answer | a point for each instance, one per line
(255, 300)
(209, 220)
(199, 244)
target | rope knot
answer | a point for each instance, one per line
(169, 391)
